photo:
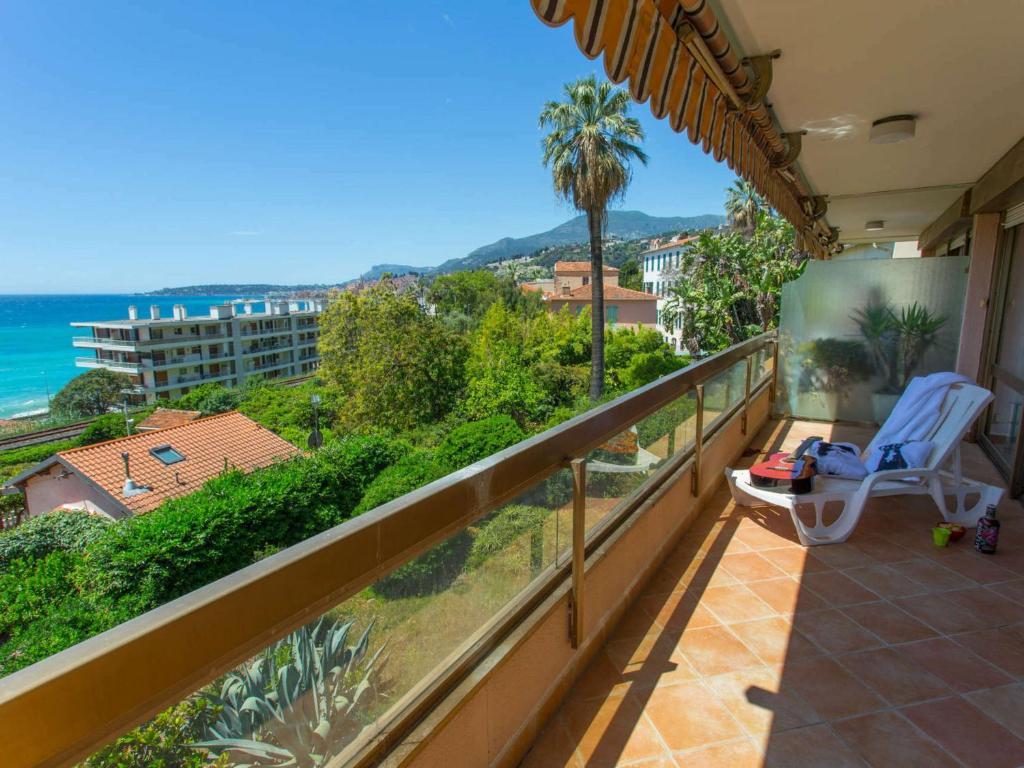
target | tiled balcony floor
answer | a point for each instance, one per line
(748, 650)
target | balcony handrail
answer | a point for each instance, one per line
(114, 681)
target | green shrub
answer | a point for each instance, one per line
(477, 440)
(410, 472)
(209, 398)
(502, 528)
(31, 454)
(435, 569)
(105, 427)
(63, 531)
(193, 540)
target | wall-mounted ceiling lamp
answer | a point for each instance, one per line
(874, 226)
(889, 130)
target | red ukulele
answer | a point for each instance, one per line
(787, 469)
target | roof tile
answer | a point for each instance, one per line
(207, 444)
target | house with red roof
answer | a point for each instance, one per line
(136, 474)
(571, 288)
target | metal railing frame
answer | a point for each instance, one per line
(100, 688)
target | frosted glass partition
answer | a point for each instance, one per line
(853, 333)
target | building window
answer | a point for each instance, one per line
(611, 314)
(586, 280)
(166, 454)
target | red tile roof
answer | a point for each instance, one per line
(576, 267)
(613, 292)
(672, 244)
(163, 418)
(206, 445)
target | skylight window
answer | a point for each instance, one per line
(166, 454)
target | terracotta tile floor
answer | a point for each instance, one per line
(749, 650)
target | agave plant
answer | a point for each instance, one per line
(877, 325)
(919, 330)
(299, 703)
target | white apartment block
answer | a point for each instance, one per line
(660, 264)
(166, 357)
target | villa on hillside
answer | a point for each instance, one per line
(571, 288)
(136, 474)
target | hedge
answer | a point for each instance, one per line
(65, 531)
(500, 531)
(477, 440)
(191, 541)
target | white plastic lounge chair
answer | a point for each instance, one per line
(941, 476)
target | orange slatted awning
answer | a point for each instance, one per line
(673, 54)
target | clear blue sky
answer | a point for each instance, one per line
(152, 144)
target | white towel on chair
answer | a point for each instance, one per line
(918, 408)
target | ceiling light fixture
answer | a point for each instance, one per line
(889, 130)
(874, 226)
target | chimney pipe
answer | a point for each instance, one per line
(154, 312)
(133, 312)
(131, 488)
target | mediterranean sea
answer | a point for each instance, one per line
(36, 356)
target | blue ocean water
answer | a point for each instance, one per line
(36, 355)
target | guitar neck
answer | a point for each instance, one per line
(803, 448)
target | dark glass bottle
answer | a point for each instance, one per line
(987, 537)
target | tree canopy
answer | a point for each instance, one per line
(90, 394)
(393, 364)
(728, 285)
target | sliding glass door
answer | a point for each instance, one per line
(1002, 435)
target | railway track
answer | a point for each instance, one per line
(67, 431)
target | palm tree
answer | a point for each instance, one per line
(589, 149)
(742, 204)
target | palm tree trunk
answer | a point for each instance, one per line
(594, 222)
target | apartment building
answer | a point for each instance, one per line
(660, 265)
(571, 288)
(166, 357)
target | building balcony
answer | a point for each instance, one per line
(93, 342)
(110, 365)
(249, 334)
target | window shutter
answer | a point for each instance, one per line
(1014, 216)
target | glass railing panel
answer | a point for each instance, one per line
(723, 391)
(309, 696)
(619, 467)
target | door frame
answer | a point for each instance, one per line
(1012, 472)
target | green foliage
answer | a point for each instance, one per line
(729, 285)
(470, 294)
(90, 394)
(210, 398)
(410, 472)
(525, 367)
(832, 365)
(300, 702)
(477, 440)
(289, 408)
(637, 357)
(631, 275)
(500, 531)
(164, 742)
(665, 420)
(106, 427)
(190, 541)
(62, 531)
(392, 363)
(32, 454)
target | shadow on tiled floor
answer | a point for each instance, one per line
(749, 650)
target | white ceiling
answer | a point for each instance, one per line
(957, 65)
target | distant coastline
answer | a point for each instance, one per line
(242, 289)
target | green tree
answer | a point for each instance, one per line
(742, 205)
(728, 286)
(90, 394)
(589, 149)
(631, 276)
(637, 357)
(396, 365)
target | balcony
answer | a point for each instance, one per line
(111, 365)
(746, 649)
(92, 342)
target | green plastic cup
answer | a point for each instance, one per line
(941, 536)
